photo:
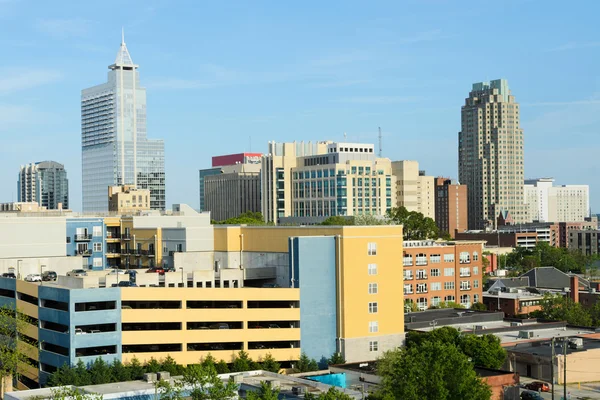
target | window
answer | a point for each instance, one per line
(435, 301)
(373, 307)
(373, 327)
(97, 231)
(435, 258)
(97, 262)
(422, 303)
(374, 346)
(372, 288)
(465, 300)
(475, 256)
(448, 271)
(372, 269)
(448, 285)
(421, 259)
(408, 288)
(435, 272)
(436, 286)
(448, 257)
(465, 271)
(475, 298)
(475, 270)
(372, 249)
(97, 247)
(408, 275)
(465, 285)
(421, 274)
(408, 260)
(475, 283)
(465, 257)
(450, 298)
(421, 288)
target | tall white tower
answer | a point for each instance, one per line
(115, 149)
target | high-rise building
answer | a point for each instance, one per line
(490, 155)
(276, 176)
(115, 149)
(450, 206)
(414, 190)
(45, 183)
(548, 203)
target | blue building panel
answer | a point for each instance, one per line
(313, 271)
(7, 292)
(87, 237)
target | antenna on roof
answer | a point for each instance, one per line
(122, 35)
(380, 142)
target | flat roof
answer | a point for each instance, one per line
(544, 348)
(518, 296)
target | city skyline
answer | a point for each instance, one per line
(319, 86)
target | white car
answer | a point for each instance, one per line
(33, 278)
(117, 272)
(77, 273)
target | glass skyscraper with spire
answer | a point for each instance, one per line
(114, 144)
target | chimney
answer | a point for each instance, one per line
(574, 289)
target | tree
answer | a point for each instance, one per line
(152, 366)
(169, 365)
(265, 392)
(336, 359)
(247, 218)
(270, 364)
(415, 226)
(371, 220)
(65, 375)
(479, 307)
(136, 370)
(100, 372)
(332, 394)
(306, 364)
(11, 355)
(83, 375)
(338, 221)
(206, 385)
(68, 393)
(222, 367)
(430, 371)
(166, 390)
(120, 372)
(242, 362)
(559, 308)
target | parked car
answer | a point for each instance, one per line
(531, 396)
(221, 325)
(33, 278)
(270, 285)
(157, 270)
(538, 386)
(124, 284)
(77, 273)
(9, 275)
(79, 331)
(49, 276)
(273, 326)
(117, 272)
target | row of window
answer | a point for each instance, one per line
(435, 286)
(423, 302)
(421, 259)
(435, 272)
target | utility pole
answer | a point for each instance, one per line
(552, 367)
(565, 366)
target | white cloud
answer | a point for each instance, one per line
(64, 28)
(14, 80)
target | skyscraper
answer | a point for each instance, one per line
(44, 182)
(115, 149)
(490, 155)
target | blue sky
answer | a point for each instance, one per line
(226, 77)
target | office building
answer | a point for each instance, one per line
(349, 180)
(232, 186)
(490, 155)
(585, 241)
(414, 189)
(46, 183)
(276, 176)
(128, 199)
(450, 206)
(566, 203)
(524, 235)
(115, 148)
(436, 272)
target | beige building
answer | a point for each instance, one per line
(548, 203)
(276, 176)
(490, 155)
(127, 199)
(414, 189)
(234, 191)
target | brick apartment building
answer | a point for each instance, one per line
(450, 206)
(436, 272)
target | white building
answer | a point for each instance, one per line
(548, 203)
(115, 150)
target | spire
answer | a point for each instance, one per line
(123, 58)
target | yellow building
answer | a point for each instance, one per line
(128, 199)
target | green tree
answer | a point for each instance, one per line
(479, 307)
(306, 364)
(222, 367)
(270, 364)
(338, 220)
(331, 394)
(169, 365)
(371, 220)
(120, 372)
(83, 375)
(206, 385)
(247, 218)
(152, 366)
(265, 392)
(208, 361)
(68, 393)
(65, 375)
(100, 372)
(166, 390)
(559, 308)
(136, 370)
(242, 362)
(336, 359)
(430, 371)
(415, 226)
(11, 355)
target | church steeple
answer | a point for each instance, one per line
(123, 59)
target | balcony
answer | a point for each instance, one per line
(147, 253)
(126, 236)
(465, 275)
(409, 278)
(85, 253)
(411, 292)
(83, 237)
(465, 288)
(421, 277)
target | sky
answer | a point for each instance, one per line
(226, 77)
